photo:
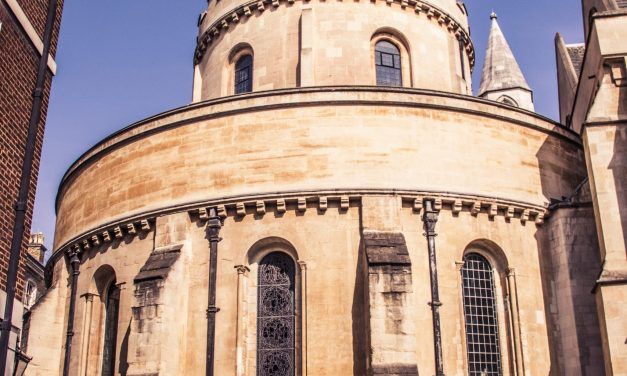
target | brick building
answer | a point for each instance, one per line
(22, 24)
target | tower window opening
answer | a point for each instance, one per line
(461, 58)
(276, 316)
(482, 331)
(244, 74)
(388, 64)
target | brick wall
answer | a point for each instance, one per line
(18, 72)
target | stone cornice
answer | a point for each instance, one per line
(319, 201)
(105, 234)
(298, 97)
(232, 18)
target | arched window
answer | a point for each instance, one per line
(275, 316)
(244, 74)
(388, 64)
(480, 313)
(112, 307)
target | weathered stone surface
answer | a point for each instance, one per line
(386, 248)
(159, 263)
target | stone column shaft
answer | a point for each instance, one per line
(513, 302)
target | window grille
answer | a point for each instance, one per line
(388, 64)
(482, 331)
(244, 74)
(112, 308)
(275, 316)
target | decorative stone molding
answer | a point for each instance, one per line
(109, 234)
(233, 17)
(477, 206)
(264, 205)
(322, 199)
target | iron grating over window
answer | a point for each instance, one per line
(244, 74)
(275, 316)
(482, 331)
(388, 64)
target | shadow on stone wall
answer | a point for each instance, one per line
(123, 368)
(569, 261)
(358, 312)
(618, 166)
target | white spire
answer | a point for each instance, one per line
(501, 71)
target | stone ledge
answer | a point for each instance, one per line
(386, 248)
(395, 369)
(319, 200)
(159, 263)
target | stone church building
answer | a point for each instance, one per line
(335, 201)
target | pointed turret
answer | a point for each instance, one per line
(502, 79)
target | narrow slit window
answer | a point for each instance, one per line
(112, 308)
(461, 58)
(244, 74)
(276, 316)
(388, 64)
(482, 328)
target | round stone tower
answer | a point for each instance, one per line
(285, 222)
(308, 43)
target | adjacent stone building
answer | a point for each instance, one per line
(336, 202)
(22, 24)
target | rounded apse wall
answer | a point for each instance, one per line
(319, 139)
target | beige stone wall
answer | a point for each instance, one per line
(120, 259)
(571, 267)
(339, 140)
(611, 309)
(599, 114)
(48, 324)
(332, 315)
(329, 43)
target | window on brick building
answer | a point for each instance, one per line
(388, 64)
(30, 294)
(480, 313)
(276, 316)
(244, 74)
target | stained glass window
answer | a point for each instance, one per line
(275, 316)
(244, 74)
(388, 63)
(482, 329)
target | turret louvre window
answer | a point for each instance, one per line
(244, 74)
(275, 316)
(388, 64)
(482, 332)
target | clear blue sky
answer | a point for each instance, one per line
(121, 61)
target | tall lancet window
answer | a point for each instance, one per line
(482, 331)
(275, 316)
(244, 74)
(112, 308)
(387, 58)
